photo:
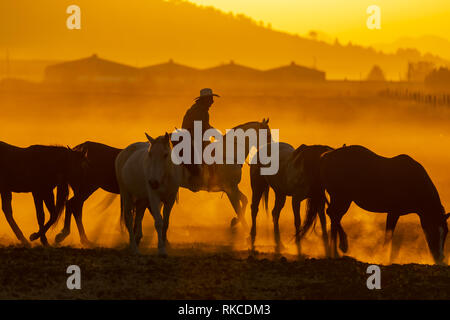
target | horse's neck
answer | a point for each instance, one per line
(250, 125)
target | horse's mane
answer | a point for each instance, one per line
(246, 124)
(311, 157)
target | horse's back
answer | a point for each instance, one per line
(285, 150)
(378, 183)
(129, 169)
(101, 169)
(31, 168)
(97, 148)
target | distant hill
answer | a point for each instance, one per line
(425, 44)
(142, 33)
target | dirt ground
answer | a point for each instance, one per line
(198, 271)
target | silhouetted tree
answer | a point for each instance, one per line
(417, 71)
(376, 74)
(313, 34)
(438, 77)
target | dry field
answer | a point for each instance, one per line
(200, 271)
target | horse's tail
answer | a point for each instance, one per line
(106, 202)
(316, 200)
(62, 194)
(314, 205)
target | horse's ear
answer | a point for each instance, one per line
(150, 138)
(166, 136)
(69, 148)
(266, 121)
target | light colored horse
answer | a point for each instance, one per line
(228, 176)
(291, 180)
(147, 177)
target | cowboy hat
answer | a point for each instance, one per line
(206, 92)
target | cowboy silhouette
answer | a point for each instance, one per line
(199, 111)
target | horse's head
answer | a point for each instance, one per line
(78, 161)
(264, 125)
(159, 160)
(436, 230)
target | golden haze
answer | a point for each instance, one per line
(326, 113)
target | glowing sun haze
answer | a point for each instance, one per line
(346, 19)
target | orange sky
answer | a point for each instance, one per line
(346, 19)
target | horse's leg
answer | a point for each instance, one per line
(323, 224)
(391, 222)
(280, 199)
(343, 242)
(155, 210)
(67, 220)
(49, 200)
(257, 192)
(7, 210)
(40, 215)
(127, 213)
(336, 210)
(244, 202)
(234, 197)
(140, 210)
(166, 214)
(297, 222)
(78, 203)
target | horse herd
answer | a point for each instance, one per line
(146, 178)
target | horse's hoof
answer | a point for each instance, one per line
(343, 246)
(44, 242)
(280, 248)
(135, 251)
(299, 250)
(87, 244)
(26, 244)
(60, 237)
(233, 223)
(34, 236)
(162, 253)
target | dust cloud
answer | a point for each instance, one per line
(326, 114)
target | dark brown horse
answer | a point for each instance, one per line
(37, 169)
(100, 173)
(398, 186)
(290, 180)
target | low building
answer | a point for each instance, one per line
(294, 73)
(91, 69)
(231, 72)
(169, 72)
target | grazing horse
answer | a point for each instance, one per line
(398, 186)
(100, 173)
(147, 177)
(38, 169)
(290, 180)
